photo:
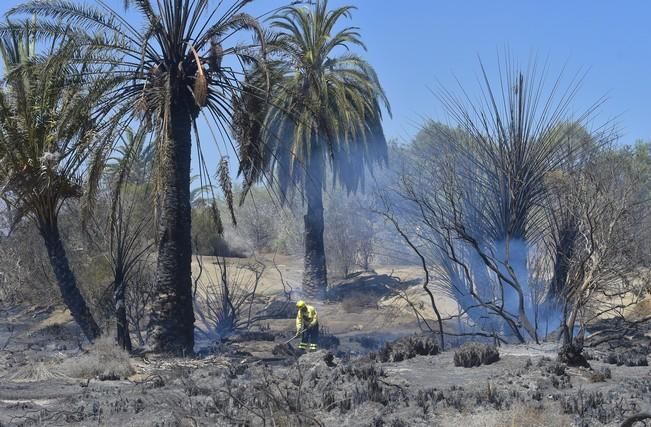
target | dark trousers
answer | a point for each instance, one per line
(310, 335)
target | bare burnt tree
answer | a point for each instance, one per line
(225, 304)
(596, 245)
(130, 243)
(125, 235)
(140, 293)
(473, 193)
(441, 225)
(258, 220)
(125, 238)
(351, 247)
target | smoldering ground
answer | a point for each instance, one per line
(367, 379)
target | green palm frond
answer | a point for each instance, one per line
(324, 99)
(47, 129)
(177, 54)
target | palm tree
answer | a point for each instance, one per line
(46, 135)
(167, 73)
(325, 109)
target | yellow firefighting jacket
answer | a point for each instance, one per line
(306, 318)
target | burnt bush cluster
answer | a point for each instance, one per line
(601, 375)
(407, 348)
(475, 354)
(572, 355)
(265, 395)
(559, 377)
(367, 342)
(632, 358)
(589, 405)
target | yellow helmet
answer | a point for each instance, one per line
(300, 304)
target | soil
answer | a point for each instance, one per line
(256, 379)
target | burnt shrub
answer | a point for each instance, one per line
(367, 342)
(572, 355)
(606, 372)
(560, 380)
(455, 398)
(492, 397)
(600, 375)
(597, 377)
(627, 359)
(327, 340)
(475, 354)
(589, 405)
(556, 369)
(105, 361)
(408, 348)
(363, 371)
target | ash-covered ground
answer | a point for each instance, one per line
(47, 377)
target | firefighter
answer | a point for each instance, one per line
(307, 324)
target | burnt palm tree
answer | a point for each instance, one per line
(325, 108)
(167, 73)
(47, 133)
(130, 223)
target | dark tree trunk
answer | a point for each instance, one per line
(171, 325)
(67, 282)
(562, 261)
(119, 301)
(315, 275)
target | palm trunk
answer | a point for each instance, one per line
(171, 325)
(67, 282)
(124, 340)
(315, 275)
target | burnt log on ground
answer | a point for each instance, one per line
(630, 421)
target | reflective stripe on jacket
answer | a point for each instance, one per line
(307, 316)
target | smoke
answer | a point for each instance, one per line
(514, 257)
(522, 292)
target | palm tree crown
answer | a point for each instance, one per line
(325, 99)
(47, 131)
(47, 134)
(180, 65)
(324, 107)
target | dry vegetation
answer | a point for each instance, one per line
(104, 360)
(494, 272)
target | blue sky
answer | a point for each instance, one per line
(417, 45)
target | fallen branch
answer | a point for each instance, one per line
(636, 419)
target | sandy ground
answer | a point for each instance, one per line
(389, 312)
